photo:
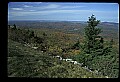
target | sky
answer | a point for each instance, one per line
(63, 11)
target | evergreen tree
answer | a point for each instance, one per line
(93, 47)
(93, 42)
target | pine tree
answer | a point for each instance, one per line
(93, 41)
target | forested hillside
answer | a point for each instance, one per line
(24, 61)
(36, 50)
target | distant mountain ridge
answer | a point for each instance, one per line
(58, 21)
(37, 23)
(110, 23)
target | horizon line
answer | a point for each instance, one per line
(60, 20)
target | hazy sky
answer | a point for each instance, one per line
(108, 12)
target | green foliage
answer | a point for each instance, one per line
(92, 40)
(76, 45)
(38, 40)
(44, 34)
(26, 62)
(30, 33)
(96, 54)
(24, 36)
